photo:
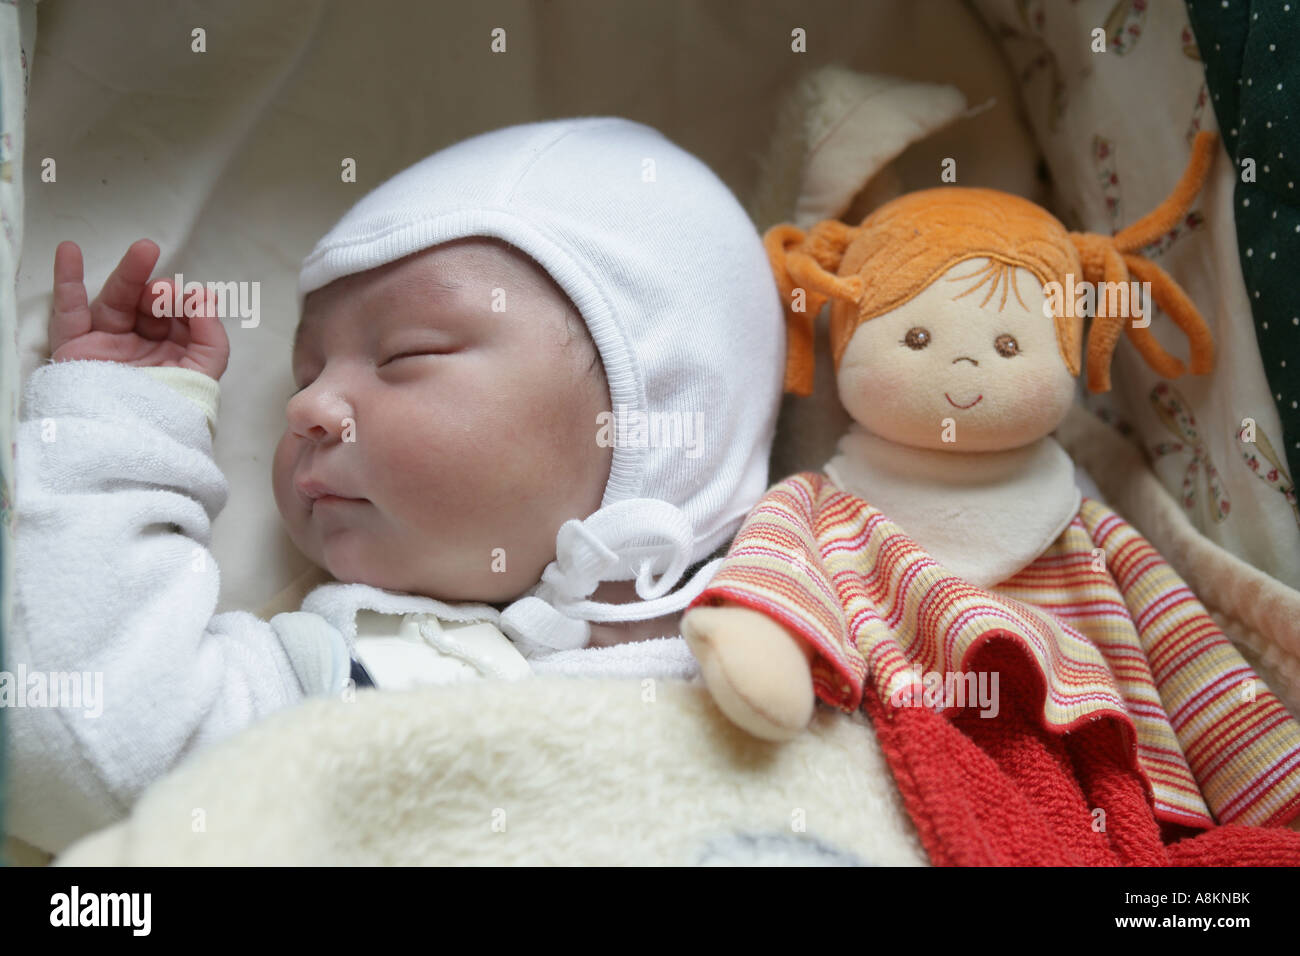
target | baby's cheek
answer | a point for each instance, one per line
(459, 469)
(282, 478)
(426, 466)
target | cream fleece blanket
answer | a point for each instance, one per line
(535, 772)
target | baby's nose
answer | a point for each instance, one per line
(965, 358)
(312, 433)
(318, 415)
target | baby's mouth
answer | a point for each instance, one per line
(314, 493)
(955, 405)
(335, 500)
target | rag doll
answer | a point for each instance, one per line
(946, 546)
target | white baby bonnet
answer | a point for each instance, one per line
(672, 280)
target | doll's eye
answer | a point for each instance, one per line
(1007, 346)
(916, 338)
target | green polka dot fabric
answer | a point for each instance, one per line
(1251, 52)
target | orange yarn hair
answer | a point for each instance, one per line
(908, 243)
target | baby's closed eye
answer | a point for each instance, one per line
(415, 354)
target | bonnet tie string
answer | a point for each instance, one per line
(638, 536)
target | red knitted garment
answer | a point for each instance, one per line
(1006, 791)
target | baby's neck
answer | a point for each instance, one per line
(624, 592)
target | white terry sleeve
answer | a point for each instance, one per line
(115, 589)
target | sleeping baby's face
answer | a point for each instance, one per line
(451, 437)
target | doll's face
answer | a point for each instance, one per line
(966, 359)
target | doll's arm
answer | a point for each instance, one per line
(757, 671)
(769, 631)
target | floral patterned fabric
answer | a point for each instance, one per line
(1115, 91)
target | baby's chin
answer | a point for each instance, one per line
(385, 553)
(353, 566)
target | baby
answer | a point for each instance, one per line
(497, 353)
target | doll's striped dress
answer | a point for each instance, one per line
(1110, 625)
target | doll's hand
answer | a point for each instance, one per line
(757, 671)
(120, 326)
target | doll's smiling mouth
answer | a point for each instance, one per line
(955, 405)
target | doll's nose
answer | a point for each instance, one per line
(964, 358)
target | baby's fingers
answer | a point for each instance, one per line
(209, 344)
(156, 297)
(71, 314)
(114, 310)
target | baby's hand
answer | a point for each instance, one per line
(120, 325)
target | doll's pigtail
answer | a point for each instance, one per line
(804, 266)
(1114, 258)
(1101, 262)
(1170, 296)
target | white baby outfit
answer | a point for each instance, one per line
(117, 487)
